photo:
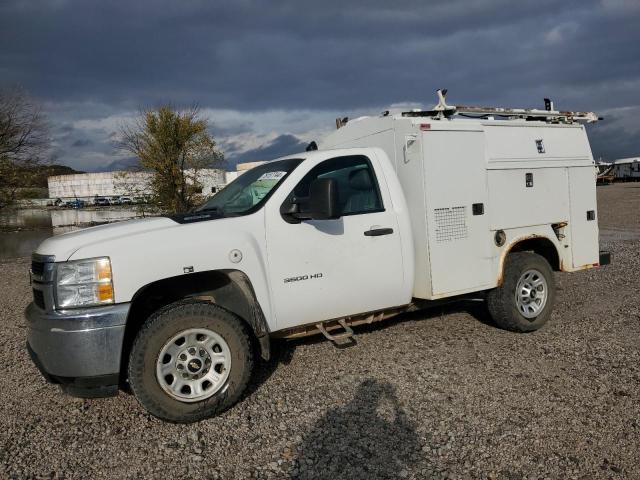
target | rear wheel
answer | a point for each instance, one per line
(190, 361)
(524, 301)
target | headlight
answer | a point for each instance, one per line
(84, 283)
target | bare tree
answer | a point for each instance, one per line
(23, 140)
(175, 145)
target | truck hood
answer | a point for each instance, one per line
(63, 246)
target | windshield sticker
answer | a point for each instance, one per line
(272, 175)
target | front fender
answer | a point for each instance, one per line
(223, 244)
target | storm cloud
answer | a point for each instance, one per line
(273, 76)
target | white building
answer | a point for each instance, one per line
(87, 186)
(627, 168)
(212, 180)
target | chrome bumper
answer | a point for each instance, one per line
(77, 343)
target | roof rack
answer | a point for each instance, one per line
(549, 114)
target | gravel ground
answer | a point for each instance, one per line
(440, 394)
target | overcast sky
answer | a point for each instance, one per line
(271, 76)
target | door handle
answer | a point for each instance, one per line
(376, 232)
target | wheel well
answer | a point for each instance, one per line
(230, 289)
(542, 246)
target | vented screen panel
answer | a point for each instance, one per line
(451, 223)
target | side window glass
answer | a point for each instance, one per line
(358, 190)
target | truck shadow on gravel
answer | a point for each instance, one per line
(370, 437)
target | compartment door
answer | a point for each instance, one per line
(584, 225)
(457, 211)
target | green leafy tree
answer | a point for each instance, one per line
(174, 145)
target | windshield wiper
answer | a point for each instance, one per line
(210, 209)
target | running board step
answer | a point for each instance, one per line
(344, 339)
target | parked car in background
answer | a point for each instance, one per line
(74, 203)
(116, 201)
(126, 200)
(101, 201)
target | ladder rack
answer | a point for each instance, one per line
(442, 110)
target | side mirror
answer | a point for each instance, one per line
(323, 199)
(321, 204)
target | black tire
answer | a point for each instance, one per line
(502, 303)
(157, 331)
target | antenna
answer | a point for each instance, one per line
(442, 106)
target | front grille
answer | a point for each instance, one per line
(37, 268)
(38, 298)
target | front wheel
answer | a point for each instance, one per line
(190, 361)
(524, 301)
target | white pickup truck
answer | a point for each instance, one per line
(392, 214)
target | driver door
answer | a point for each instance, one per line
(326, 269)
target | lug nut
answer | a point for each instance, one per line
(192, 351)
(180, 366)
(183, 357)
(202, 353)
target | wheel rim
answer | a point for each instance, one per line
(193, 365)
(531, 294)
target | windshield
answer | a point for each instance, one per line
(249, 191)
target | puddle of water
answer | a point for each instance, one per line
(21, 231)
(73, 217)
(27, 218)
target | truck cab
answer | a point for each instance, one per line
(394, 213)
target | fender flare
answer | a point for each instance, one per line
(229, 289)
(518, 241)
(253, 313)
